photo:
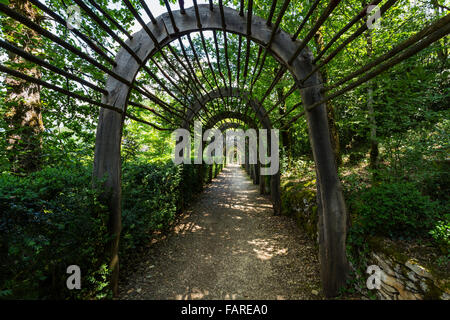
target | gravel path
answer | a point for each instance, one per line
(229, 246)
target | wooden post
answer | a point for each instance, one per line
(275, 193)
(333, 213)
(108, 164)
(247, 163)
(254, 173)
(257, 177)
(262, 183)
(297, 59)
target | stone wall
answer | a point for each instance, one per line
(407, 279)
(298, 200)
(402, 276)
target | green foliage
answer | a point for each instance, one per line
(153, 193)
(421, 156)
(53, 218)
(151, 198)
(50, 220)
(396, 210)
(194, 177)
(441, 234)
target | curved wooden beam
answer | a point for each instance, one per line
(332, 213)
(228, 92)
(229, 125)
(230, 115)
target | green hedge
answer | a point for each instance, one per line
(395, 210)
(52, 219)
(150, 199)
(153, 193)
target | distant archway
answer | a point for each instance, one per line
(256, 106)
(332, 210)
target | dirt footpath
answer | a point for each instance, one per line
(229, 246)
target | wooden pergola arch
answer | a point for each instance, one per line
(230, 125)
(265, 123)
(230, 115)
(252, 169)
(260, 113)
(292, 54)
(171, 26)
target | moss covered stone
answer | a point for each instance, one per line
(298, 200)
(395, 258)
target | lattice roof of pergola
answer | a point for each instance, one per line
(179, 61)
(177, 53)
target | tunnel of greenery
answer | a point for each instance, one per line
(92, 90)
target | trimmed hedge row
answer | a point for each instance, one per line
(49, 220)
(53, 218)
(153, 193)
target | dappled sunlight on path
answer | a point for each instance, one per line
(229, 245)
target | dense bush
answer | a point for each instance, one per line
(151, 197)
(396, 210)
(50, 220)
(53, 218)
(420, 156)
(194, 176)
(409, 194)
(152, 194)
(441, 234)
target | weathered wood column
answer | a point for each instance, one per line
(334, 265)
(107, 165)
(262, 182)
(275, 193)
(333, 212)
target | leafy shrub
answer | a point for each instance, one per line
(397, 210)
(53, 218)
(194, 177)
(441, 234)
(150, 199)
(152, 195)
(420, 156)
(50, 220)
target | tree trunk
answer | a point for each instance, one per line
(22, 112)
(372, 121)
(285, 134)
(334, 136)
(262, 182)
(442, 45)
